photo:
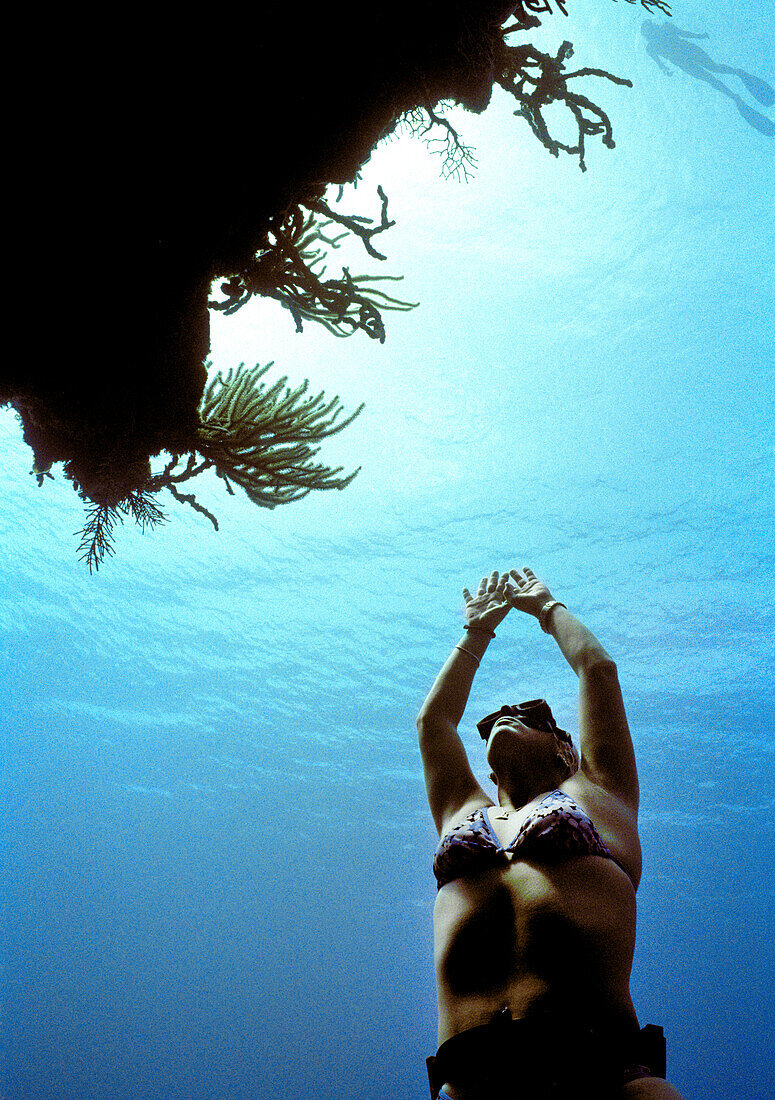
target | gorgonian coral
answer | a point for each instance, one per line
(289, 268)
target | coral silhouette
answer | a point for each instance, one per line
(208, 188)
(260, 439)
(537, 79)
(284, 268)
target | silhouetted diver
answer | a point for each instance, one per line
(668, 43)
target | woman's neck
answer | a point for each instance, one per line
(522, 789)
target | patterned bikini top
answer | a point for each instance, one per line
(556, 829)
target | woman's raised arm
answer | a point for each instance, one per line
(607, 755)
(451, 785)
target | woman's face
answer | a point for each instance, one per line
(512, 744)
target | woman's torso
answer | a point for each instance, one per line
(536, 927)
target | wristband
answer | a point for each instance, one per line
(545, 612)
(478, 629)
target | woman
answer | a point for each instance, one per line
(535, 915)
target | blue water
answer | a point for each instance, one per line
(218, 849)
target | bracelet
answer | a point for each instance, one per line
(468, 651)
(545, 612)
(478, 629)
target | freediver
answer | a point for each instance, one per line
(667, 42)
(534, 922)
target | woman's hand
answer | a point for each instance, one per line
(527, 593)
(490, 605)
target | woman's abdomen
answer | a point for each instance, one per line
(534, 937)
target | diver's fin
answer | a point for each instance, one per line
(759, 89)
(756, 119)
